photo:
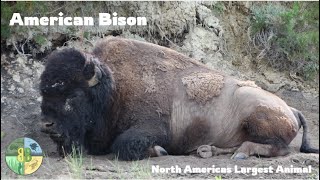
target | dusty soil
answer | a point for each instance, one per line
(20, 115)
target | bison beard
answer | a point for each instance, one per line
(137, 99)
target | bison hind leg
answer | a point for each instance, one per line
(268, 132)
(272, 148)
(260, 143)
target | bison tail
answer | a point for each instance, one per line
(305, 146)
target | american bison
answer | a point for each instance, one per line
(137, 99)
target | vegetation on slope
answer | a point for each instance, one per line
(288, 37)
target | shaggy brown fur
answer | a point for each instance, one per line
(156, 97)
(202, 87)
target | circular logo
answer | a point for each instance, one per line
(24, 156)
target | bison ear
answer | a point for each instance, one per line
(92, 74)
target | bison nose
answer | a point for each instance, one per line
(48, 127)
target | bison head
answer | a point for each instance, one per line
(77, 95)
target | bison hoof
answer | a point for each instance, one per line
(239, 156)
(204, 151)
(157, 151)
(160, 151)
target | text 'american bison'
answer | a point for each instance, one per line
(137, 99)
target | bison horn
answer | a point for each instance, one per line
(95, 78)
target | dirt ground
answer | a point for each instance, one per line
(20, 115)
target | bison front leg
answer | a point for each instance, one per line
(139, 143)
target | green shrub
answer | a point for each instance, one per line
(39, 39)
(218, 7)
(288, 36)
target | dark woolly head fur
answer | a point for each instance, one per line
(76, 113)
